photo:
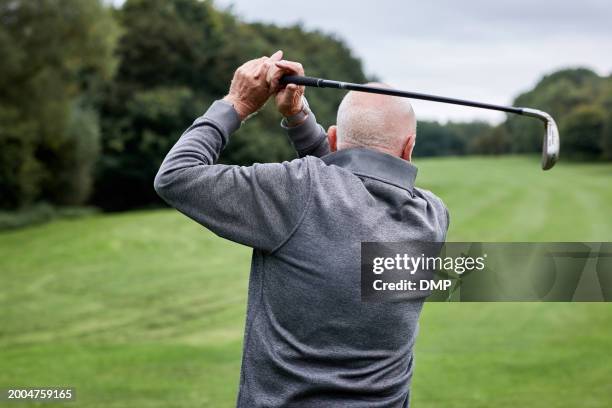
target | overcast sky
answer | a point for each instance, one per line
(484, 50)
(475, 49)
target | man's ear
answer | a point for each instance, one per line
(408, 147)
(333, 138)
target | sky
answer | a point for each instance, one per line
(484, 50)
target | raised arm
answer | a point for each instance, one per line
(306, 135)
(259, 206)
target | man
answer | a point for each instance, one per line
(309, 340)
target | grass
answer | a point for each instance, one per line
(146, 309)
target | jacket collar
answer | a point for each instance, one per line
(375, 165)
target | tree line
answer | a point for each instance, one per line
(91, 97)
(578, 98)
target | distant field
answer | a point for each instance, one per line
(146, 309)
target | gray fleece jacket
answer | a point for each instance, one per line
(309, 340)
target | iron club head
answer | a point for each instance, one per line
(550, 143)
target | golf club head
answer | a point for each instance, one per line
(550, 144)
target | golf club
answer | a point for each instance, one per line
(550, 145)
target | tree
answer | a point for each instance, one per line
(451, 139)
(559, 94)
(176, 57)
(56, 54)
(582, 132)
(165, 78)
(607, 130)
(496, 141)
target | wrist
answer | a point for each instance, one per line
(296, 117)
(239, 106)
(294, 110)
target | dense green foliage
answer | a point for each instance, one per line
(146, 309)
(581, 102)
(55, 55)
(175, 58)
(452, 139)
(579, 99)
(40, 213)
(91, 99)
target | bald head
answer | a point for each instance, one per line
(380, 122)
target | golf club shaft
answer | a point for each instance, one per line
(326, 83)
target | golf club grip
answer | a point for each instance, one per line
(300, 80)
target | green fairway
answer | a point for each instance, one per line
(146, 309)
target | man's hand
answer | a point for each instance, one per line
(250, 88)
(288, 99)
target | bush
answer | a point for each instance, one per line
(40, 213)
(20, 171)
(582, 132)
(55, 56)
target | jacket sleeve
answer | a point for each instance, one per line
(259, 206)
(308, 138)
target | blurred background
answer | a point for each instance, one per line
(103, 289)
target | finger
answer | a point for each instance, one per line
(273, 75)
(262, 70)
(277, 56)
(290, 67)
(297, 95)
(292, 90)
(288, 94)
(284, 68)
(284, 97)
(288, 91)
(252, 67)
